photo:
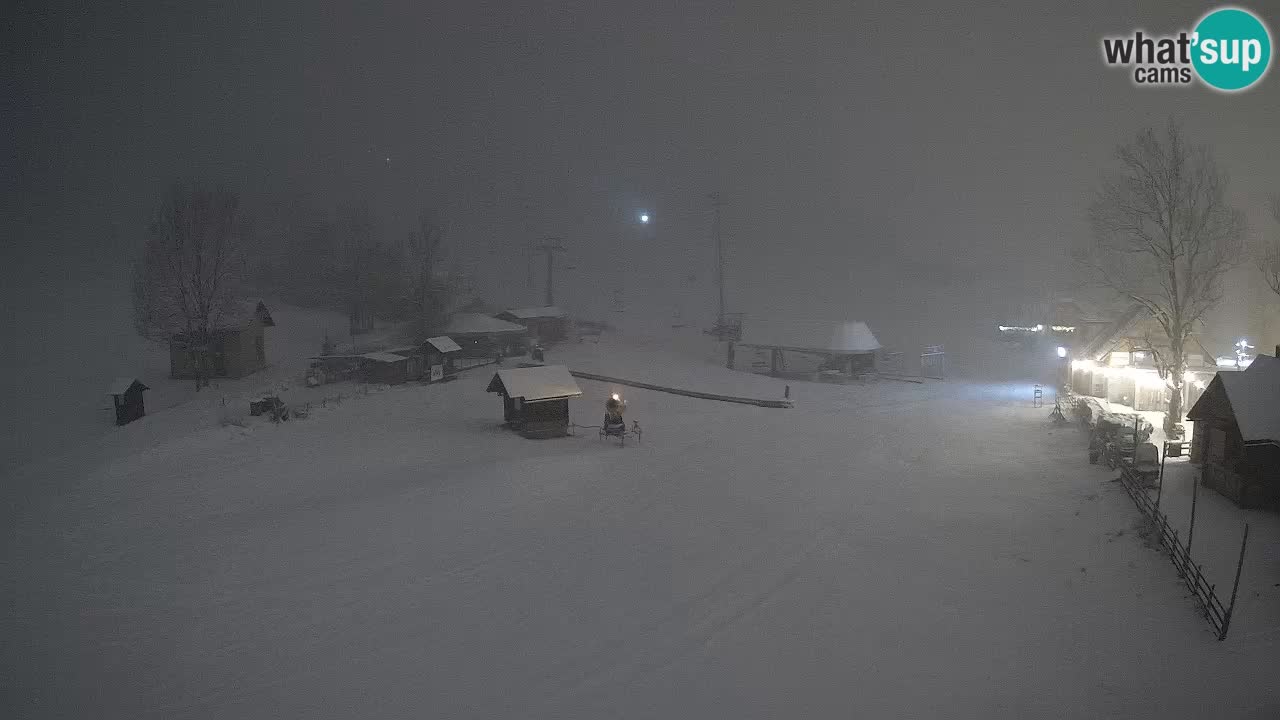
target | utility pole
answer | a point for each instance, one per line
(529, 262)
(716, 203)
(550, 246)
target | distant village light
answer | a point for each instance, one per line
(644, 218)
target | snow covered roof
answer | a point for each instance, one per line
(546, 311)
(1265, 364)
(533, 384)
(1129, 326)
(846, 337)
(120, 386)
(477, 324)
(444, 344)
(385, 357)
(1108, 338)
(1254, 395)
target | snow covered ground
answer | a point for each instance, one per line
(889, 551)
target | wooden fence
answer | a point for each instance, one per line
(1192, 574)
(933, 363)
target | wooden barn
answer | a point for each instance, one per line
(126, 396)
(1236, 438)
(237, 346)
(535, 400)
(545, 324)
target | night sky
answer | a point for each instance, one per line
(954, 146)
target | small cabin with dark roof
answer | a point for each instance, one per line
(535, 400)
(126, 395)
(1236, 436)
(237, 346)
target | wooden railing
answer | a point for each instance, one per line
(1218, 615)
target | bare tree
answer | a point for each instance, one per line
(1267, 254)
(430, 293)
(188, 275)
(1164, 237)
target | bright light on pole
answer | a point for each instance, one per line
(1062, 352)
(644, 218)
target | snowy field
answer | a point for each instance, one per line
(882, 551)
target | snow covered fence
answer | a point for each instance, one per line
(1219, 616)
(686, 393)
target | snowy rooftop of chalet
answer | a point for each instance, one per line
(477, 324)
(842, 337)
(545, 382)
(546, 311)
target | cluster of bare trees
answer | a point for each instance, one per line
(1165, 237)
(348, 262)
(197, 261)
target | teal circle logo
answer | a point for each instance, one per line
(1231, 49)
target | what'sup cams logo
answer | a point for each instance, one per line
(1229, 50)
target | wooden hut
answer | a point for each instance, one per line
(440, 352)
(545, 324)
(237, 344)
(385, 367)
(535, 400)
(1237, 434)
(848, 347)
(126, 396)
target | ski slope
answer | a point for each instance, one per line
(880, 551)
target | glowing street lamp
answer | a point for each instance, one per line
(644, 218)
(1062, 352)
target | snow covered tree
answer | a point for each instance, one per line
(1164, 237)
(189, 272)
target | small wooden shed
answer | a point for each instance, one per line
(236, 344)
(1237, 434)
(126, 395)
(440, 352)
(535, 400)
(384, 367)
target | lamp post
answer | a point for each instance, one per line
(1064, 368)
